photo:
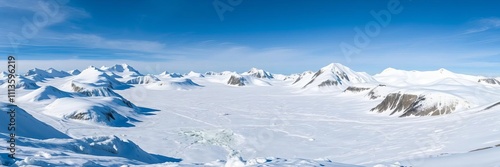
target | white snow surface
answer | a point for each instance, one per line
(203, 121)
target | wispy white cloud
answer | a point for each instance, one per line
(55, 11)
(95, 41)
(484, 24)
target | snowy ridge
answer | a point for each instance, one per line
(194, 74)
(45, 93)
(41, 75)
(166, 74)
(405, 78)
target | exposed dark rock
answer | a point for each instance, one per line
(79, 116)
(494, 105)
(355, 89)
(409, 104)
(235, 80)
(328, 83)
(396, 102)
(489, 81)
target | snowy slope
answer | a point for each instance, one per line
(27, 125)
(45, 93)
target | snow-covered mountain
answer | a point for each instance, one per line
(74, 72)
(105, 111)
(40, 75)
(121, 71)
(259, 73)
(407, 78)
(95, 77)
(194, 74)
(22, 83)
(171, 75)
(333, 75)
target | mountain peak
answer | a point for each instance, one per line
(335, 66)
(259, 73)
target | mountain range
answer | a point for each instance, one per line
(222, 111)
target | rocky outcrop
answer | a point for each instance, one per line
(492, 81)
(235, 80)
(494, 105)
(417, 105)
(355, 89)
(328, 83)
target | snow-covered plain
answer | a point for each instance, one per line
(113, 116)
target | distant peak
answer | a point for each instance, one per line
(253, 69)
(334, 66)
(442, 71)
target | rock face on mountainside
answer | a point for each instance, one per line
(236, 80)
(419, 105)
(492, 81)
(355, 89)
(494, 105)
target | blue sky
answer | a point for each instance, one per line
(281, 36)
